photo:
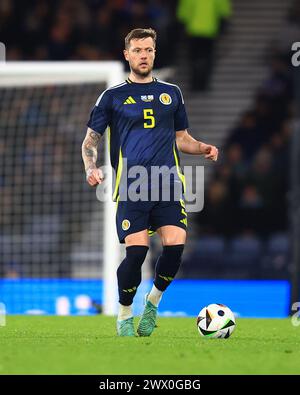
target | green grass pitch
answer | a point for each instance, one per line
(89, 345)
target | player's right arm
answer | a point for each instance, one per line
(89, 152)
(99, 119)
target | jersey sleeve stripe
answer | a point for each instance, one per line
(176, 86)
(180, 175)
(118, 178)
(108, 89)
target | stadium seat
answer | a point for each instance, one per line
(245, 253)
(278, 244)
(276, 258)
(246, 245)
(210, 249)
(207, 254)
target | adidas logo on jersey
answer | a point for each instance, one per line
(129, 100)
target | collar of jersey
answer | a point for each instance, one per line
(141, 83)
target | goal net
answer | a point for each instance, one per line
(56, 238)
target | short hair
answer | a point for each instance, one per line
(136, 34)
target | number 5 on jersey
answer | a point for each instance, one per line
(149, 118)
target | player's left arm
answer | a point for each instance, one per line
(188, 145)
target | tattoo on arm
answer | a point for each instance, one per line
(90, 149)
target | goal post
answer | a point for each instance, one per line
(43, 73)
(16, 76)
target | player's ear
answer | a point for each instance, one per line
(125, 52)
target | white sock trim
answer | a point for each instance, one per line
(125, 312)
(155, 296)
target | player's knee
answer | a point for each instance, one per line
(176, 237)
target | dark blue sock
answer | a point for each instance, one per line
(167, 266)
(129, 273)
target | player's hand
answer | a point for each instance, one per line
(211, 152)
(94, 176)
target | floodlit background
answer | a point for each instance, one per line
(232, 60)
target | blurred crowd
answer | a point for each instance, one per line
(82, 30)
(249, 190)
(245, 221)
(203, 22)
(47, 201)
(45, 204)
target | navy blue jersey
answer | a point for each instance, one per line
(143, 119)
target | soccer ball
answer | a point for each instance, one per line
(216, 321)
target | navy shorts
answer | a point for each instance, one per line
(134, 217)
